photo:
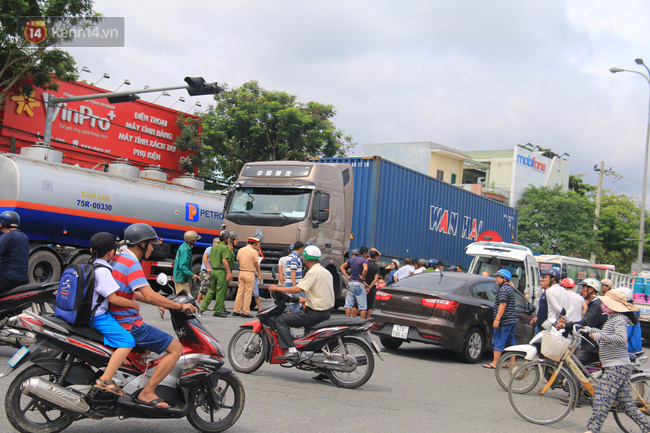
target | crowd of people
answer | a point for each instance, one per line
(606, 315)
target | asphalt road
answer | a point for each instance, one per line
(417, 388)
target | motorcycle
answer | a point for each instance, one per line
(515, 356)
(37, 296)
(338, 348)
(51, 394)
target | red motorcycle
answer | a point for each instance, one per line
(51, 394)
(39, 297)
(338, 348)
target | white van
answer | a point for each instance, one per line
(491, 256)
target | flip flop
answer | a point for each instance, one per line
(489, 366)
(153, 403)
(109, 386)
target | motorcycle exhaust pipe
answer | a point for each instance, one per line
(16, 337)
(55, 394)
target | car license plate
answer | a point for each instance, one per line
(20, 354)
(400, 331)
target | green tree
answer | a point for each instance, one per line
(578, 185)
(25, 66)
(553, 221)
(618, 226)
(250, 123)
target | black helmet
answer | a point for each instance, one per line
(140, 232)
(223, 235)
(9, 219)
(553, 273)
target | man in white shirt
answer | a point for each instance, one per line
(577, 304)
(405, 271)
(422, 265)
(556, 295)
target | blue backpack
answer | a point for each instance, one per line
(75, 295)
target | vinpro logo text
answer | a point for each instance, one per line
(193, 212)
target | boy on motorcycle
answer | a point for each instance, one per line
(319, 299)
(128, 273)
(103, 247)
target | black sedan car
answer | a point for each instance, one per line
(448, 309)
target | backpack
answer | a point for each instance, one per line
(75, 294)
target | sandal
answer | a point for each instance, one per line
(110, 386)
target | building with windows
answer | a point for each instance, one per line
(501, 175)
(513, 170)
(433, 159)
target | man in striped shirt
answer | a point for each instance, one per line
(127, 271)
(505, 321)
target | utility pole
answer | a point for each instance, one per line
(598, 195)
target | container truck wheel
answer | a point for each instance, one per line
(81, 259)
(44, 267)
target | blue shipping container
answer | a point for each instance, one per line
(404, 213)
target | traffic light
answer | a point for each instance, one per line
(123, 98)
(198, 86)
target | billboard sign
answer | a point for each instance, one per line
(94, 131)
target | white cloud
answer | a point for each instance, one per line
(468, 74)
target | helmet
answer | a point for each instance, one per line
(625, 292)
(432, 262)
(354, 252)
(591, 282)
(504, 273)
(140, 232)
(568, 283)
(554, 273)
(190, 236)
(312, 252)
(234, 235)
(9, 219)
(223, 235)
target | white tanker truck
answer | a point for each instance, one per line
(62, 206)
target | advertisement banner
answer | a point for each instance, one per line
(96, 131)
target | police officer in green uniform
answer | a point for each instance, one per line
(222, 261)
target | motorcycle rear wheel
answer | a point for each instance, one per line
(246, 359)
(365, 364)
(508, 363)
(29, 414)
(208, 417)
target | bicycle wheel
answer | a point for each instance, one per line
(506, 366)
(542, 394)
(640, 384)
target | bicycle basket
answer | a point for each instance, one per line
(553, 346)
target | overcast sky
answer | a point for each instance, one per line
(469, 74)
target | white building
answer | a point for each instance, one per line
(498, 174)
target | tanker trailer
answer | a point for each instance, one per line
(62, 206)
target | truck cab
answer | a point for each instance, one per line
(290, 201)
(491, 256)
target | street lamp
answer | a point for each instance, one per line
(162, 94)
(645, 166)
(181, 99)
(126, 81)
(198, 104)
(106, 75)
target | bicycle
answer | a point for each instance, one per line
(544, 391)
